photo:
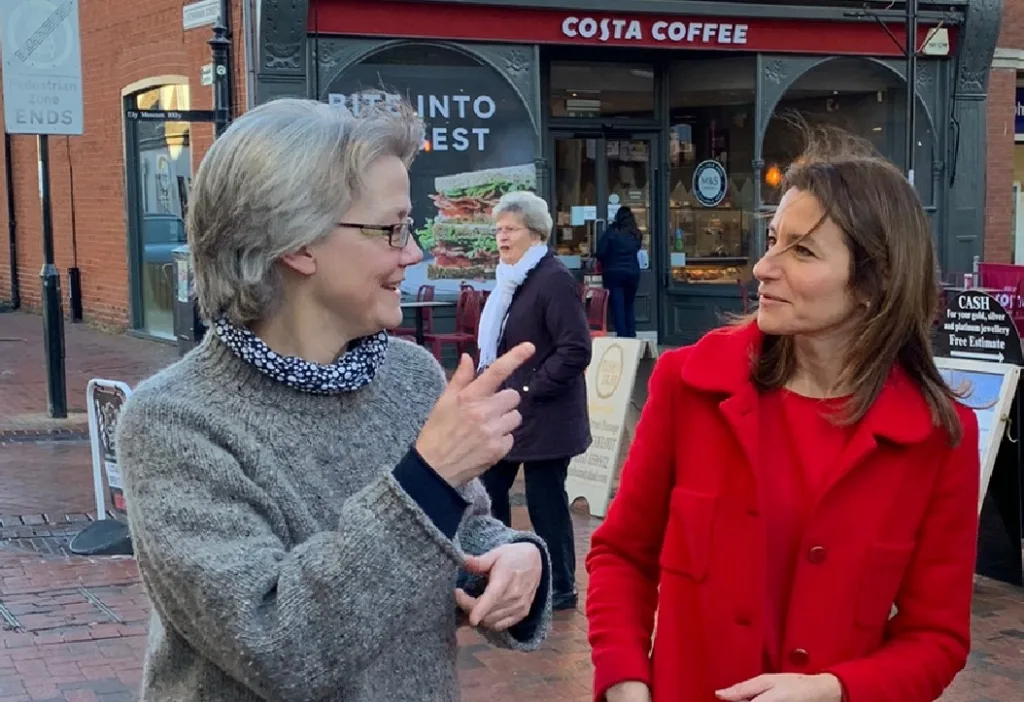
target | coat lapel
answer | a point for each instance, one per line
(899, 416)
(720, 364)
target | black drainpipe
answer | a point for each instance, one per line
(12, 224)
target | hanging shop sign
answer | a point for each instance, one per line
(538, 25)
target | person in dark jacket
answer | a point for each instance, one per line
(620, 269)
(536, 299)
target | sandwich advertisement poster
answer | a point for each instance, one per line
(479, 145)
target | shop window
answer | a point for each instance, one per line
(601, 90)
(860, 97)
(479, 145)
(711, 155)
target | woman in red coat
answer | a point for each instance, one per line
(799, 507)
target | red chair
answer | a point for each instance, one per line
(424, 294)
(467, 322)
(597, 312)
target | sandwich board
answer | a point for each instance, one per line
(978, 352)
(104, 401)
(614, 401)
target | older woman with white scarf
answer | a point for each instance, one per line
(536, 299)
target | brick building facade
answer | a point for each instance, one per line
(128, 47)
(1001, 206)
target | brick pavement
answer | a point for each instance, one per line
(89, 354)
(73, 630)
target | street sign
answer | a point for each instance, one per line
(197, 14)
(976, 327)
(170, 115)
(206, 74)
(42, 66)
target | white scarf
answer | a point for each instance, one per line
(492, 320)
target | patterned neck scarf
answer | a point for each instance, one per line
(353, 370)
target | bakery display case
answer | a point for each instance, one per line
(709, 245)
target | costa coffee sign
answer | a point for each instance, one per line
(677, 31)
(406, 19)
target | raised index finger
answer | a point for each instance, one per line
(498, 372)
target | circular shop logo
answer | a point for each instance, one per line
(710, 183)
(609, 372)
(43, 48)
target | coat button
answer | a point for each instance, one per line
(526, 388)
(817, 554)
(799, 656)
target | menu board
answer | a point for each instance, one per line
(611, 381)
(988, 389)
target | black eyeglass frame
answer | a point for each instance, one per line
(403, 230)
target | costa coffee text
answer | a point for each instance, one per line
(635, 30)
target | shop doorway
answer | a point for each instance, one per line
(158, 173)
(593, 175)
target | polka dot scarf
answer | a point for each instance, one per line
(353, 370)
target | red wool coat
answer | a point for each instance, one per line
(683, 540)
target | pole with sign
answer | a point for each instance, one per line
(42, 83)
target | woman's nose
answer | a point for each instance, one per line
(411, 253)
(766, 267)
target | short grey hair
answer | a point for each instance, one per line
(533, 210)
(280, 178)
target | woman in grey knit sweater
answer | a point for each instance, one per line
(301, 488)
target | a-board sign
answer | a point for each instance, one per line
(105, 399)
(976, 327)
(611, 380)
(988, 389)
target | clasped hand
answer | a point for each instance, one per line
(785, 687)
(782, 687)
(513, 573)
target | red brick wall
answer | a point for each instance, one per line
(123, 41)
(1002, 88)
(999, 149)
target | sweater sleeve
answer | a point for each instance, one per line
(292, 624)
(481, 533)
(566, 321)
(623, 561)
(928, 640)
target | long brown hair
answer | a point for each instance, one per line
(892, 265)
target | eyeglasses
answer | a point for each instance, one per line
(398, 234)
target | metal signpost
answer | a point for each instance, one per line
(42, 84)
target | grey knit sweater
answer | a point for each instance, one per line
(283, 559)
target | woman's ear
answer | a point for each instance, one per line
(302, 261)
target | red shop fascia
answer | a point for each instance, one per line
(566, 27)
